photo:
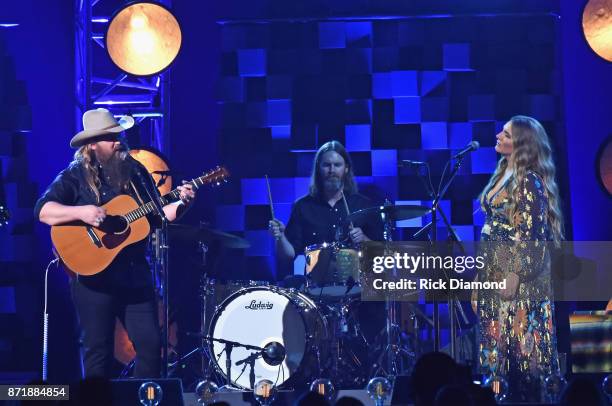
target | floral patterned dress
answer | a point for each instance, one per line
(517, 336)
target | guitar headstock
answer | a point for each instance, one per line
(215, 176)
(4, 216)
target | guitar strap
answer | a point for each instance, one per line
(137, 194)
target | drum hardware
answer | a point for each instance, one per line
(204, 236)
(329, 327)
(293, 322)
(208, 289)
(259, 351)
(332, 270)
(203, 233)
(349, 345)
(389, 214)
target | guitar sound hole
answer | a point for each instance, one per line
(114, 225)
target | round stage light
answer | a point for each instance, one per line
(597, 27)
(143, 38)
(604, 165)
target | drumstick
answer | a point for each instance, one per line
(270, 200)
(348, 212)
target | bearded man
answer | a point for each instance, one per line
(320, 216)
(101, 170)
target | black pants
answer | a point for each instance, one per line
(137, 310)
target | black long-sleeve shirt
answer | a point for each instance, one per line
(314, 221)
(130, 268)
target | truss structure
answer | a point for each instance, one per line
(99, 83)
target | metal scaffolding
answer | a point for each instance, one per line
(99, 83)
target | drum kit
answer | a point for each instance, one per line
(251, 331)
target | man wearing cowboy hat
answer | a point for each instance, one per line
(101, 170)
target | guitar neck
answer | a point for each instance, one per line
(164, 200)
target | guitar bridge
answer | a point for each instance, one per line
(94, 238)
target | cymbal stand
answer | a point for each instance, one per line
(207, 289)
(393, 345)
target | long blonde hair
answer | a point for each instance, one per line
(531, 152)
(85, 157)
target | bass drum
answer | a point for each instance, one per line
(261, 315)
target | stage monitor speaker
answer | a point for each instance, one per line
(125, 391)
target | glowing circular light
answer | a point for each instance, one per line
(604, 165)
(264, 392)
(150, 394)
(606, 387)
(143, 39)
(325, 388)
(597, 27)
(379, 389)
(554, 385)
(499, 386)
(205, 392)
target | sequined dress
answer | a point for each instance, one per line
(517, 337)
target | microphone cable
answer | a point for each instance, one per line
(46, 324)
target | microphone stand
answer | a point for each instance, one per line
(162, 260)
(250, 360)
(433, 225)
(229, 345)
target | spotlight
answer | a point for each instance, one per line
(143, 38)
(597, 27)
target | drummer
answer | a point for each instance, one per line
(321, 215)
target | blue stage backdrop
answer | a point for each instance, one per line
(389, 89)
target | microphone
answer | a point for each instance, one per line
(272, 353)
(408, 162)
(472, 146)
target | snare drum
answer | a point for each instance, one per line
(261, 315)
(333, 270)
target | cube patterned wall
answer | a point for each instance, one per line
(388, 89)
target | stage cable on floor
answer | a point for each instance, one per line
(46, 323)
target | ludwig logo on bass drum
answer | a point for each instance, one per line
(254, 305)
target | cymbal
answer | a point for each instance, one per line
(206, 234)
(394, 213)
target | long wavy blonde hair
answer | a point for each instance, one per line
(531, 152)
(85, 157)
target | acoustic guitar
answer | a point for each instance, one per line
(88, 250)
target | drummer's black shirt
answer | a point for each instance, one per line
(130, 268)
(314, 221)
